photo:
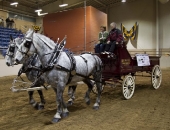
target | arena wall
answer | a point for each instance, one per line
(20, 22)
(6, 71)
(144, 12)
(3, 14)
(71, 23)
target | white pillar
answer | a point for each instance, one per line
(157, 27)
(84, 25)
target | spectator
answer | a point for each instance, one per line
(12, 23)
(7, 22)
(1, 22)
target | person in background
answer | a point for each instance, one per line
(7, 22)
(12, 23)
(1, 22)
(115, 36)
(102, 40)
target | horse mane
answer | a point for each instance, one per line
(47, 40)
(18, 41)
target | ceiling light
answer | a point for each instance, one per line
(123, 0)
(14, 3)
(63, 5)
(39, 14)
(38, 10)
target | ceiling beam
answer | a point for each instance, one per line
(100, 3)
(48, 2)
(20, 3)
(19, 12)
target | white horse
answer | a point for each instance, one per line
(31, 74)
(86, 65)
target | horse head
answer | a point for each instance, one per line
(11, 51)
(26, 48)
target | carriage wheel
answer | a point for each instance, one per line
(128, 86)
(156, 77)
(94, 89)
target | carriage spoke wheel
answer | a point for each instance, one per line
(94, 89)
(156, 77)
(128, 86)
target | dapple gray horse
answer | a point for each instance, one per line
(58, 78)
(32, 73)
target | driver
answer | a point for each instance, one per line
(115, 36)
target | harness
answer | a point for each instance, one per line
(31, 65)
(54, 59)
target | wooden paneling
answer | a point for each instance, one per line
(71, 23)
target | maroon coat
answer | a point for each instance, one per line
(115, 35)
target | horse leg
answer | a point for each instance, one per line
(41, 104)
(31, 99)
(98, 79)
(61, 107)
(65, 112)
(71, 92)
(87, 95)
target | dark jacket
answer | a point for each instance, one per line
(115, 35)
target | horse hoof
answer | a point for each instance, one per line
(55, 120)
(31, 101)
(88, 102)
(35, 105)
(40, 107)
(69, 103)
(65, 114)
(96, 107)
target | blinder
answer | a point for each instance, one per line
(11, 49)
(28, 44)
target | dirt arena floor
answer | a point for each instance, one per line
(148, 109)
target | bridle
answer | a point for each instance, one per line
(11, 49)
(27, 44)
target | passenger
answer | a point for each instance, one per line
(102, 40)
(115, 37)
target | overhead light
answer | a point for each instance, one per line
(39, 14)
(123, 0)
(63, 5)
(38, 10)
(14, 3)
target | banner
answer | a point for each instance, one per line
(143, 59)
(131, 34)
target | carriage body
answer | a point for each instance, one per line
(123, 65)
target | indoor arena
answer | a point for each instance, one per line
(84, 64)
